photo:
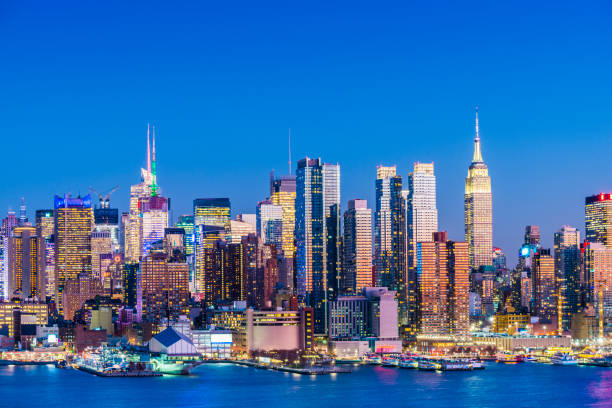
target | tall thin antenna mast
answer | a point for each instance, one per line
(289, 151)
(148, 151)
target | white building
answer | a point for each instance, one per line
(172, 342)
(422, 212)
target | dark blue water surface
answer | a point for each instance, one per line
(225, 385)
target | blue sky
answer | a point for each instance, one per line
(358, 83)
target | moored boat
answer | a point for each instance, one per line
(429, 365)
(390, 362)
(407, 363)
(563, 359)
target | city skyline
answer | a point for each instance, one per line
(541, 115)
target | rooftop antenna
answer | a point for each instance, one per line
(154, 170)
(148, 151)
(289, 151)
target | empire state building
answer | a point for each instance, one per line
(478, 209)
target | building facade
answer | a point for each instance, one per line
(357, 245)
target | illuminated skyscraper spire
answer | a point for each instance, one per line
(478, 209)
(148, 151)
(477, 153)
(153, 170)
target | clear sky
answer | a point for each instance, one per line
(358, 83)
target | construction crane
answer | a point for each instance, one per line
(105, 196)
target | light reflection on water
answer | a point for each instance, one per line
(227, 385)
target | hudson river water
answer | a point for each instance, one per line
(224, 385)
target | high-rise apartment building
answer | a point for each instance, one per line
(390, 236)
(310, 234)
(422, 212)
(598, 219)
(282, 192)
(165, 288)
(444, 280)
(478, 209)
(357, 245)
(73, 227)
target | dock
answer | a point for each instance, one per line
(302, 371)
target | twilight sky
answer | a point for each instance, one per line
(358, 83)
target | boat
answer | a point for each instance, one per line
(372, 359)
(390, 362)
(596, 362)
(477, 364)
(508, 358)
(429, 365)
(563, 359)
(455, 365)
(407, 363)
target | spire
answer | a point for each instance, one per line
(154, 170)
(148, 151)
(477, 153)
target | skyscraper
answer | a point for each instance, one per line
(422, 212)
(44, 229)
(211, 217)
(25, 269)
(598, 280)
(357, 244)
(73, 226)
(165, 288)
(270, 222)
(311, 273)
(153, 220)
(478, 209)
(544, 286)
(333, 239)
(282, 192)
(598, 219)
(186, 223)
(390, 236)
(567, 271)
(101, 245)
(144, 189)
(444, 280)
(8, 223)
